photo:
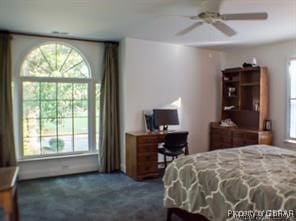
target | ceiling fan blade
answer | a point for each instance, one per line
(225, 29)
(190, 28)
(245, 16)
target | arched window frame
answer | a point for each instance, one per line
(93, 85)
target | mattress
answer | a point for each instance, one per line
(257, 181)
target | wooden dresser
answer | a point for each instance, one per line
(142, 154)
(221, 137)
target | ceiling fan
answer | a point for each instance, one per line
(208, 13)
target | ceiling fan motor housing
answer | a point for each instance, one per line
(209, 17)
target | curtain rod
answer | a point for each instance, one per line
(60, 37)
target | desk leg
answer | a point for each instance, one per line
(11, 207)
(8, 209)
(16, 209)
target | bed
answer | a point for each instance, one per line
(258, 180)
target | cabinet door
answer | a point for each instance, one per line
(215, 139)
(220, 138)
(251, 138)
(238, 139)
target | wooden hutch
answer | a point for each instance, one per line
(245, 102)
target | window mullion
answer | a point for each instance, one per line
(57, 123)
(19, 94)
(291, 109)
(91, 117)
(73, 140)
(40, 120)
(56, 79)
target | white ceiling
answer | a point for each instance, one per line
(148, 19)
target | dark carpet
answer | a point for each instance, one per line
(91, 197)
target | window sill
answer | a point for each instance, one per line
(290, 142)
(41, 158)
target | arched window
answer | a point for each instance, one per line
(55, 60)
(292, 100)
(58, 93)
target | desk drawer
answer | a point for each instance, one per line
(144, 148)
(144, 168)
(147, 157)
(147, 139)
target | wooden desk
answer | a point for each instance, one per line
(8, 192)
(142, 153)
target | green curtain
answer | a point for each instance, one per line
(109, 148)
(7, 147)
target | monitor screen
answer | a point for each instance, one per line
(165, 117)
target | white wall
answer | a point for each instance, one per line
(275, 57)
(155, 75)
(93, 52)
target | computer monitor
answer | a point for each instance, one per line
(165, 117)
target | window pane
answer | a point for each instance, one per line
(292, 71)
(31, 91)
(97, 133)
(65, 91)
(73, 65)
(65, 126)
(66, 145)
(98, 97)
(48, 91)
(48, 109)
(80, 108)
(31, 146)
(48, 51)
(35, 65)
(81, 134)
(31, 109)
(65, 130)
(293, 119)
(81, 125)
(48, 127)
(77, 70)
(65, 108)
(81, 142)
(50, 144)
(80, 92)
(31, 127)
(55, 60)
(62, 53)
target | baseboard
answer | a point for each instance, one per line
(57, 167)
(53, 173)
